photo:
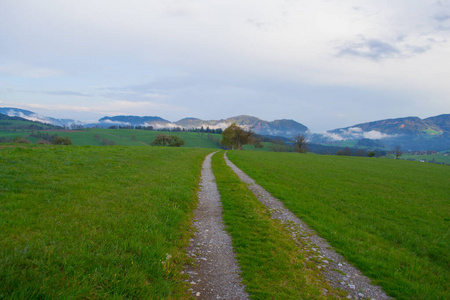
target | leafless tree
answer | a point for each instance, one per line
(397, 152)
(300, 143)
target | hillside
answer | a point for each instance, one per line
(32, 116)
(410, 133)
(6, 117)
(443, 121)
(191, 123)
(12, 124)
(403, 126)
(155, 122)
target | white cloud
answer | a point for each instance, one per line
(117, 107)
(376, 135)
(400, 47)
(333, 136)
(353, 130)
(353, 133)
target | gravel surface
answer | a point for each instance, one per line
(215, 274)
(338, 272)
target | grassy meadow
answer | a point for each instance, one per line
(95, 222)
(114, 221)
(121, 137)
(390, 218)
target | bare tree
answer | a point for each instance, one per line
(397, 152)
(255, 141)
(300, 143)
(347, 151)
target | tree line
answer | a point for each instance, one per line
(172, 129)
(55, 140)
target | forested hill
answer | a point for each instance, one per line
(410, 133)
(6, 117)
(409, 126)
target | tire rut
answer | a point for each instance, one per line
(215, 273)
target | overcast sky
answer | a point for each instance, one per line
(325, 64)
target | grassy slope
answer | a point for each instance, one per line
(271, 262)
(121, 137)
(95, 222)
(390, 218)
(20, 124)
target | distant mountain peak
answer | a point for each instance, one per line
(156, 122)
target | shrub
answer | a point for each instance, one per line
(59, 140)
(21, 140)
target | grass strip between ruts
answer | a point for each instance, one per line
(271, 262)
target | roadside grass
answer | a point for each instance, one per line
(95, 222)
(271, 262)
(390, 218)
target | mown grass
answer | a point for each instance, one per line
(95, 222)
(388, 217)
(271, 262)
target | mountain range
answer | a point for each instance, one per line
(32, 116)
(410, 133)
(286, 128)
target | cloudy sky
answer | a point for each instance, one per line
(323, 63)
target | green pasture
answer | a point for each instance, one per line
(390, 218)
(96, 222)
(122, 137)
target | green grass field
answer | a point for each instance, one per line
(388, 217)
(113, 221)
(121, 137)
(95, 222)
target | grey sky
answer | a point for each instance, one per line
(325, 64)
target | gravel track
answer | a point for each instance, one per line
(215, 273)
(338, 272)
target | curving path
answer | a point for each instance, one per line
(215, 273)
